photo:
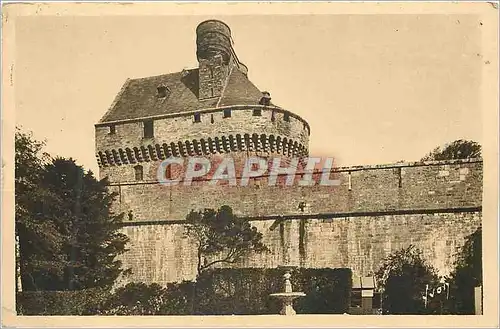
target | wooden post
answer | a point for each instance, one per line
(478, 300)
(18, 266)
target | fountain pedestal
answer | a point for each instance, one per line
(289, 295)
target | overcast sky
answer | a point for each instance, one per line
(374, 88)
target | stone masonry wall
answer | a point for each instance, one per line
(375, 210)
(162, 253)
(182, 128)
(212, 77)
(440, 185)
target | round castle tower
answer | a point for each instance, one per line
(211, 111)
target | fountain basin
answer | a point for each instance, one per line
(287, 299)
(288, 295)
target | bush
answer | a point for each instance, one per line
(142, 299)
(246, 291)
(467, 275)
(216, 292)
(82, 302)
(328, 291)
(403, 277)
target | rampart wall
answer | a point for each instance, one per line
(374, 211)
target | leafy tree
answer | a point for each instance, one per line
(467, 275)
(459, 149)
(68, 236)
(39, 238)
(403, 277)
(222, 237)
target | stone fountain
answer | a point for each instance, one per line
(288, 296)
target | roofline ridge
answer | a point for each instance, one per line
(116, 99)
(225, 85)
(155, 76)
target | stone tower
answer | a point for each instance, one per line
(212, 110)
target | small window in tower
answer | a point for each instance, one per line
(197, 117)
(148, 129)
(227, 113)
(211, 92)
(212, 118)
(273, 116)
(286, 116)
(112, 129)
(257, 112)
(138, 172)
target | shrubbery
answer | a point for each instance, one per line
(403, 277)
(246, 291)
(153, 299)
(75, 302)
(216, 292)
(467, 275)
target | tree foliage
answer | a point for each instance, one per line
(222, 237)
(467, 275)
(403, 277)
(138, 298)
(39, 238)
(459, 149)
(68, 236)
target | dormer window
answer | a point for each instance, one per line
(162, 91)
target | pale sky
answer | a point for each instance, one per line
(374, 88)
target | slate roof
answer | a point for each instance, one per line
(138, 97)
